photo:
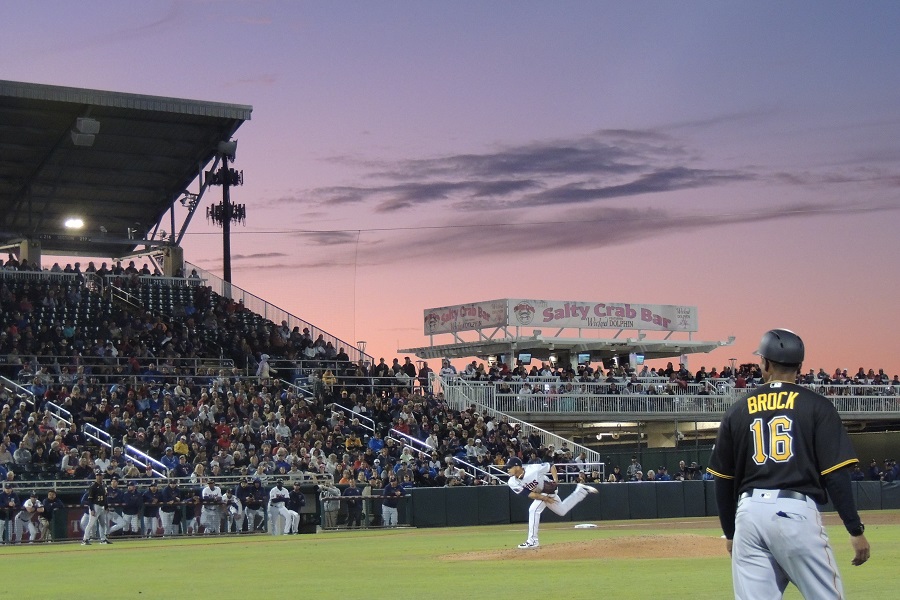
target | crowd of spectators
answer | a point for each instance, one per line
(623, 380)
(132, 376)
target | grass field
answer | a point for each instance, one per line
(458, 563)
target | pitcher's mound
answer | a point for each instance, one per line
(642, 546)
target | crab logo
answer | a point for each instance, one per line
(432, 322)
(524, 313)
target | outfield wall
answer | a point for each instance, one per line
(496, 505)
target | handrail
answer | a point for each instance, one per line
(298, 389)
(91, 361)
(477, 469)
(137, 456)
(98, 435)
(460, 395)
(271, 312)
(20, 391)
(60, 413)
(357, 415)
(407, 440)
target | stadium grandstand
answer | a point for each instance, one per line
(136, 364)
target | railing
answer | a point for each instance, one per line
(365, 422)
(124, 297)
(109, 280)
(475, 470)
(144, 460)
(63, 484)
(567, 472)
(43, 276)
(59, 414)
(880, 402)
(88, 362)
(639, 386)
(404, 439)
(460, 395)
(300, 390)
(272, 313)
(19, 391)
(98, 435)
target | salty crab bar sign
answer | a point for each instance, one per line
(563, 314)
(602, 315)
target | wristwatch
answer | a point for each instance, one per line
(858, 531)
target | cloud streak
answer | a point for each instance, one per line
(605, 165)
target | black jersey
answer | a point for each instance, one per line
(781, 436)
(97, 494)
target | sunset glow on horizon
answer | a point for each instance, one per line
(740, 158)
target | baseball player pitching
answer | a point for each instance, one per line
(540, 481)
(781, 450)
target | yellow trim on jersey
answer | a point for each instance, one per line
(836, 467)
(722, 475)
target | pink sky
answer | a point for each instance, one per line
(741, 158)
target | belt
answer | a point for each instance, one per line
(781, 494)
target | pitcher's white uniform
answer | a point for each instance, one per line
(532, 480)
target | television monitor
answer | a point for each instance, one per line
(525, 358)
(584, 358)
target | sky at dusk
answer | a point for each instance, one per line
(743, 158)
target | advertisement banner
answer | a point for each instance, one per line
(602, 315)
(465, 317)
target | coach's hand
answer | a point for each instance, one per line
(860, 548)
(729, 545)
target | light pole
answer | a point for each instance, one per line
(225, 212)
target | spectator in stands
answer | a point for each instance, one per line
(633, 468)
(616, 476)
(6, 457)
(874, 471)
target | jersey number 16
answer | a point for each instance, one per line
(772, 440)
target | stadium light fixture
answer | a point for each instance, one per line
(85, 131)
(74, 223)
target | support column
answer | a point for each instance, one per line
(30, 250)
(173, 260)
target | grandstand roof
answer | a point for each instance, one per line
(542, 347)
(53, 164)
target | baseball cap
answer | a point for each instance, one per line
(513, 462)
(132, 484)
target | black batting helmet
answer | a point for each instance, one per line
(782, 346)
